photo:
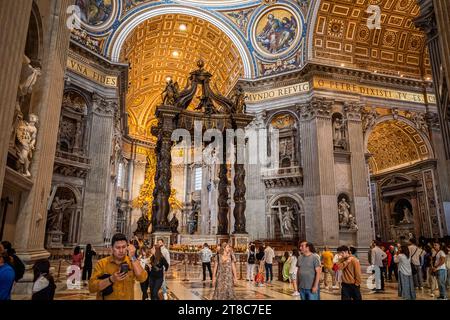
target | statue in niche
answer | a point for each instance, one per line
(54, 219)
(287, 221)
(407, 216)
(174, 223)
(26, 133)
(344, 213)
(28, 77)
(170, 93)
(339, 133)
(238, 99)
(352, 223)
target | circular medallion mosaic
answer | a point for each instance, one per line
(96, 15)
(277, 31)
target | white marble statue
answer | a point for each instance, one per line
(344, 213)
(28, 77)
(287, 220)
(338, 131)
(352, 223)
(407, 216)
(26, 133)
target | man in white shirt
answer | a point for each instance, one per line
(166, 254)
(416, 254)
(378, 256)
(441, 270)
(269, 254)
(205, 255)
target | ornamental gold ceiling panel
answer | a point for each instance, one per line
(395, 144)
(160, 48)
(342, 36)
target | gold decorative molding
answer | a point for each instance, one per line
(394, 144)
(146, 191)
(342, 36)
(91, 73)
(371, 91)
(158, 49)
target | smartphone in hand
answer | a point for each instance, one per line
(124, 268)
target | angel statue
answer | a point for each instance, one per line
(26, 133)
(170, 93)
(238, 99)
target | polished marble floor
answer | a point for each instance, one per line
(185, 283)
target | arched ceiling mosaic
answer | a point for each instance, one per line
(394, 144)
(169, 46)
(342, 36)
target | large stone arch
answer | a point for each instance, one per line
(118, 37)
(403, 133)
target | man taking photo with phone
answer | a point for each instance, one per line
(113, 277)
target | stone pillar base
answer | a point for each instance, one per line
(54, 239)
(29, 257)
(25, 285)
(222, 238)
(239, 239)
(162, 235)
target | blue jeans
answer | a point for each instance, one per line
(306, 294)
(269, 271)
(442, 278)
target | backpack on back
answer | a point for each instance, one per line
(251, 258)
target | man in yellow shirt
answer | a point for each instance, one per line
(107, 272)
(327, 262)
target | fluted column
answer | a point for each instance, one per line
(46, 103)
(321, 218)
(96, 196)
(360, 179)
(14, 19)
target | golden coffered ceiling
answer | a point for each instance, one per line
(342, 36)
(150, 51)
(395, 144)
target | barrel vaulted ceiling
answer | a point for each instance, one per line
(229, 36)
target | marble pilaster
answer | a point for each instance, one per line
(97, 182)
(322, 225)
(46, 103)
(14, 20)
(359, 175)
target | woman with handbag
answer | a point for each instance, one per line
(158, 266)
